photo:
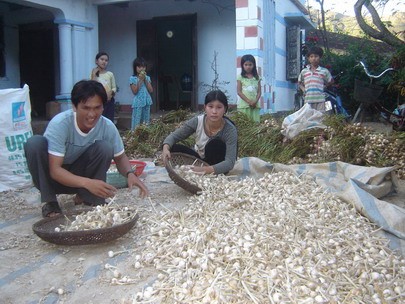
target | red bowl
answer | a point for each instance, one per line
(137, 165)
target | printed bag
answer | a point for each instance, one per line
(15, 129)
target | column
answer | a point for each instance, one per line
(79, 53)
(66, 60)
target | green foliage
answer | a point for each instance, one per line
(339, 141)
(348, 65)
(397, 86)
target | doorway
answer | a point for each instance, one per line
(37, 67)
(168, 46)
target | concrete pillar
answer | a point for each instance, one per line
(79, 53)
(66, 60)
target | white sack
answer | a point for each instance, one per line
(15, 129)
(304, 119)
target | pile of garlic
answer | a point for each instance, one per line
(103, 216)
(277, 239)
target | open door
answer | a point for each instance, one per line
(146, 48)
(168, 45)
(37, 69)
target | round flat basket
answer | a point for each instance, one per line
(179, 159)
(45, 229)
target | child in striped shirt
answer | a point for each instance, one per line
(313, 79)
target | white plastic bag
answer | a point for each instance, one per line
(15, 129)
(304, 119)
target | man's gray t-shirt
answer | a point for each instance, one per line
(65, 139)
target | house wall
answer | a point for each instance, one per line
(12, 78)
(81, 16)
(113, 28)
(215, 32)
(285, 90)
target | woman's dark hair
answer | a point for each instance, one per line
(316, 50)
(139, 61)
(217, 95)
(251, 59)
(101, 54)
(85, 89)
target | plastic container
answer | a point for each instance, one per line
(115, 179)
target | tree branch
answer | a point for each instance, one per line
(381, 33)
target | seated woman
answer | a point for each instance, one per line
(216, 136)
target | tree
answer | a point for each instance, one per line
(324, 31)
(379, 31)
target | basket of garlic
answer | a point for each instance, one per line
(87, 226)
(179, 169)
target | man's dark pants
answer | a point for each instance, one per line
(93, 163)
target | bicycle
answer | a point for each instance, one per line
(298, 99)
(332, 95)
(368, 93)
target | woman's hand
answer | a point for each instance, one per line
(165, 152)
(142, 75)
(203, 170)
(95, 72)
(109, 96)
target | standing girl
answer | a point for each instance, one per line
(142, 88)
(106, 78)
(249, 88)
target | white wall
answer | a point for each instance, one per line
(215, 32)
(59, 11)
(285, 90)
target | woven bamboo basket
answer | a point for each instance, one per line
(45, 229)
(179, 159)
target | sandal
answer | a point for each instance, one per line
(51, 209)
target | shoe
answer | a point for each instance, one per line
(51, 209)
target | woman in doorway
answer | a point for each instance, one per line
(107, 79)
(216, 136)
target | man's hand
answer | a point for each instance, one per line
(100, 188)
(123, 167)
(133, 180)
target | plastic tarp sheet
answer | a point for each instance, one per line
(364, 187)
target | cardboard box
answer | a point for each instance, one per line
(52, 108)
